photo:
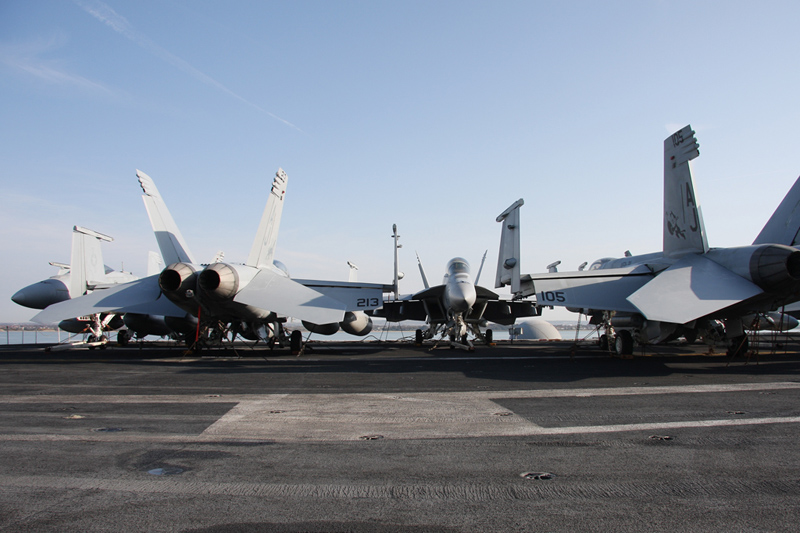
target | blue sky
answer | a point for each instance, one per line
(431, 115)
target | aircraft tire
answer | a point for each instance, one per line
(123, 336)
(623, 343)
(418, 337)
(602, 342)
(488, 336)
(296, 341)
(739, 346)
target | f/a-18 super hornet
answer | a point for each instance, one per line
(252, 299)
(687, 289)
(458, 306)
(85, 273)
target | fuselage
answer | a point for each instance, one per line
(459, 293)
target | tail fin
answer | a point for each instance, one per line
(86, 262)
(154, 263)
(263, 250)
(508, 269)
(684, 230)
(353, 277)
(783, 227)
(170, 241)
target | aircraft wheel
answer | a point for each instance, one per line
(603, 342)
(296, 341)
(488, 336)
(739, 346)
(464, 339)
(123, 336)
(418, 337)
(690, 336)
(623, 343)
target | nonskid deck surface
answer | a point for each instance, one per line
(369, 437)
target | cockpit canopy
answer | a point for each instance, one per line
(600, 263)
(458, 265)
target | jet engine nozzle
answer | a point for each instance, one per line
(219, 281)
(177, 280)
(774, 265)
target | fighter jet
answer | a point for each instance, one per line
(253, 299)
(86, 272)
(688, 288)
(455, 307)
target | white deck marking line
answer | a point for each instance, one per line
(431, 415)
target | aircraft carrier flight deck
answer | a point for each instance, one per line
(393, 437)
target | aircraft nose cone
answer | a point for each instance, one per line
(22, 298)
(462, 297)
(40, 295)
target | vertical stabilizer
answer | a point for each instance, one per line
(86, 262)
(508, 268)
(263, 251)
(783, 227)
(353, 277)
(154, 263)
(684, 231)
(170, 241)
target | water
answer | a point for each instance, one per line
(30, 336)
(16, 336)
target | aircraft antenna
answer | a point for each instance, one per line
(483, 260)
(396, 237)
(422, 272)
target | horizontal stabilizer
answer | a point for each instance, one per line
(287, 297)
(355, 295)
(691, 288)
(140, 296)
(784, 225)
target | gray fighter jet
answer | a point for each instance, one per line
(455, 307)
(688, 288)
(85, 273)
(253, 299)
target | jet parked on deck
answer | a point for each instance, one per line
(687, 289)
(252, 299)
(85, 273)
(454, 308)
